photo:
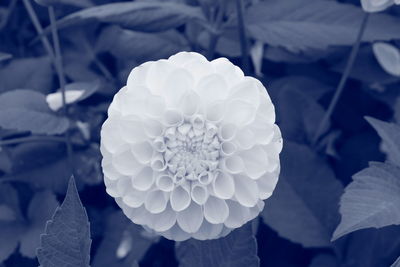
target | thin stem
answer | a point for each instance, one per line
(343, 80)
(32, 139)
(39, 29)
(61, 78)
(214, 36)
(242, 36)
(7, 15)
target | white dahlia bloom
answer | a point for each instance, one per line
(377, 5)
(190, 147)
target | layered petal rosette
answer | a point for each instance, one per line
(190, 147)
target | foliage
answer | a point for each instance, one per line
(346, 179)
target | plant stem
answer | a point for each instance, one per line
(7, 15)
(215, 36)
(343, 80)
(39, 29)
(61, 79)
(242, 36)
(32, 139)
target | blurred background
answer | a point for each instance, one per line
(306, 53)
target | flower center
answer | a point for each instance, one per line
(192, 150)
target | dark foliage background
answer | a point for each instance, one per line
(299, 49)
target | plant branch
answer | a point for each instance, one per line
(214, 36)
(61, 79)
(242, 35)
(32, 139)
(343, 80)
(39, 29)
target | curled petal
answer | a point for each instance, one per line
(208, 230)
(173, 117)
(163, 221)
(255, 161)
(143, 152)
(223, 186)
(233, 164)
(144, 179)
(125, 163)
(267, 183)
(176, 85)
(199, 194)
(215, 111)
(180, 198)
(247, 91)
(165, 182)
(227, 132)
(246, 191)
(239, 113)
(228, 149)
(212, 88)
(134, 198)
(156, 201)
(215, 210)
(155, 106)
(230, 72)
(238, 215)
(189, 103)
(191, 218)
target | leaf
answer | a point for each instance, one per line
(66, 241)
(237, 249)
(138, 46)
(27, 110)
(304, 24)
(388, 57)
(390, 134)
(396, 263)
(298, 112)
(34, 73)
(142, 16)
(11, 229)
(4, 56)
(307, 194)
(41, 208)
(371, 200)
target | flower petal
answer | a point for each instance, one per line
(180, 198)
(223, 186)
(191, 218)
(246, 191)
(215, 210)
(212, 88)
(125, 163)
(134, 198)
(156, 201)
(199, 194)
(238, 215)
(163, 221)
(208, 231)
(176, 85)
(144, 179)
(239, 113)
(143, 152)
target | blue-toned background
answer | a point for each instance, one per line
(331, 69)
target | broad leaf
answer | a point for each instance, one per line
(303, 207)
(388, 57)
(371, 200)
(66, 241)
(237, 249)
(147, 16)
(304, 24)
(27, 110)
(132, 45)
(390, 134)
(34, 73)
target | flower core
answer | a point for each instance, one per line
(191, 150)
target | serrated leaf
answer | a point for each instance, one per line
(304, 24)
(396, 263)
(390, 134)
(139, 46)
(27, 110)
(237, 249)
(66, 241)
(142, 16)
(34, 73)
(371, 200)
(307, 194)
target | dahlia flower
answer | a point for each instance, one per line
(190, 147)
(377, 5)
